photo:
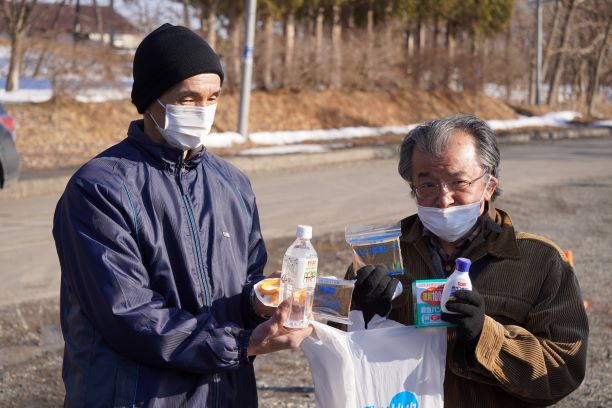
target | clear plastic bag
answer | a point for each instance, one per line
(332, 299)
(376, 245)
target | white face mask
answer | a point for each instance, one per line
(186, 126)
(452, 223)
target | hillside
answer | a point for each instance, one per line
(64, 133)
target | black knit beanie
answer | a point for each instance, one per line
(167, 56)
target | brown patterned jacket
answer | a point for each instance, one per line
(533, 346)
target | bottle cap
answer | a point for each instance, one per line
(463, 264)
(304, 232)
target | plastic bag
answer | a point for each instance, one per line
(376, 245)
(399, 366)
(332, 299)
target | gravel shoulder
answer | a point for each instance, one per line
(573, 215)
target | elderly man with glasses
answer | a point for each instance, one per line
(521, 333)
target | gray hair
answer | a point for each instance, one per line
(434, 136)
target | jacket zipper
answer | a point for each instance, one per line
(216, 378)
(196, 238)
(216, 386)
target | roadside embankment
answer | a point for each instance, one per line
(53, 181)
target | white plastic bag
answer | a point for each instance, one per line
(393, 367)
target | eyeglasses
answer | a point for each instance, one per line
(430, 190)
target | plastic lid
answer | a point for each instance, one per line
(463, 264)
(304, 231)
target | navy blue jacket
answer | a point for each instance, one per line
(158, 260)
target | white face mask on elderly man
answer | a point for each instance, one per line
(186, 126)
(451, 223)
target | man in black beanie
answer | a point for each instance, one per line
(160, 247)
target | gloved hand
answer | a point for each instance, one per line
(471, 308)
(373, 291)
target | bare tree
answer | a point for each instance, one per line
(209, 21)
(336, 74)
(594, 87)
(16, 15)
(552, 37)
(557, 69)
(45, 49)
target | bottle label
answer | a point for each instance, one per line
(456, 287)
(300, 272)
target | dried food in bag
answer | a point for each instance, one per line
(376, 245)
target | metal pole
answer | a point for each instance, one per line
(247, 68)
(538, 64)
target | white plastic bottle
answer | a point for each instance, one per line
(299, 277)
(459, 280)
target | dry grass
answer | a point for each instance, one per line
(63, 133)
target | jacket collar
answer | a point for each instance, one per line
(501, 244)
(163, 153)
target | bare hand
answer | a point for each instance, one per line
(271, 335)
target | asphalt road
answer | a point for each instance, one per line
(561, 190)
(328, 197)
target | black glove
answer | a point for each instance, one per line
(471, 308)
(373, 291)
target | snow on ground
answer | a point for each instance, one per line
(288, 149)
(281, 142)
(550, 119)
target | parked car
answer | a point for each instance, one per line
(9, 158)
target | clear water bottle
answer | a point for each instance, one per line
(459, 280)
(299, 277)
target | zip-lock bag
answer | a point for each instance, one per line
(376, 245)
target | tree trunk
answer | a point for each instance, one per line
(211, 25)
(451, 47)
(99, 23)
(388, 30)
(267, 51)
(410, 43)
(370, 26)
(551, 37)
(436, 33)
(417, 67)
(583, 81)
(185, 13)
(234, 36)
(111, 26)
(350, 17)
(319, 38)
(531, 90)
(336, 71)
(451, 42)
(12, 83)
(507, 53)
(557, 72)
(421, 35)
(289, 49)
(600, 58)
(17, 20)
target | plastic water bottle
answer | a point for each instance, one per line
(459, 280)
(299, 277)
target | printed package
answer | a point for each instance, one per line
(332, 299)
(426, 295)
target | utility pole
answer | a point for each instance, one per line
(247, 68)
(538, 64)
